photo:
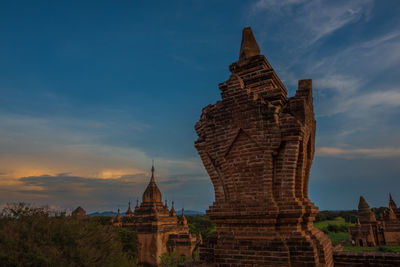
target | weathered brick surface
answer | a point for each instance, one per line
(257, 146)
(373, 259)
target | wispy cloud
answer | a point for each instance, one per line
(313, 20)
(363, 57)
(69, 191)
(32, 146)
(383, 99)
(358, 152)
(355, 76)
(347, 81)
(381, 39)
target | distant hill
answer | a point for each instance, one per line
(191, 212)
(104, 213)
(112, 213)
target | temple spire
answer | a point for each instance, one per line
(362, 204)
(392, 204)
(364, 212)
(129, 212)
(152, 193)
(118, 218)
(249, 46)
(182, 219)
(172, 212)
(152, 173)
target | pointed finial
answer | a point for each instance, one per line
(392, 204)
(249, 46)
(118, 218)
(152, 172)
(182, 219)
(172, 211)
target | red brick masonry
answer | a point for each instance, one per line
(376, 259)
(257, 146)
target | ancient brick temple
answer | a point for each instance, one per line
(159, 230)
(372, 231)
(257, 146)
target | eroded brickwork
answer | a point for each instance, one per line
(257, 146)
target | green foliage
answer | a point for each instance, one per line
(173, 260)
(336, 229)
(32, 236)
(336, 225)
(196, 256)
(374, 249)
(338, 237)
(128, 239)
(349, 216)
(103, 220)
(201, 224)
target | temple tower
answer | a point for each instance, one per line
(257, 146)
(157, 228)
(394, 207)
(365, 213)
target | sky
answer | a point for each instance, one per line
(92, 91)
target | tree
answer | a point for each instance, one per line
(31, 236)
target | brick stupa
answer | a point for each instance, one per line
(257, 146)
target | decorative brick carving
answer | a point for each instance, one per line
(257, 146)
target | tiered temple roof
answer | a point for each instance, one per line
(372, 232)
(159, 230)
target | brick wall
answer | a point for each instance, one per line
(376, 259)
(257, 146)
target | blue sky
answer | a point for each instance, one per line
(91, 91)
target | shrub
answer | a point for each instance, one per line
(173, 260)
(32, 236)
(201, 224)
